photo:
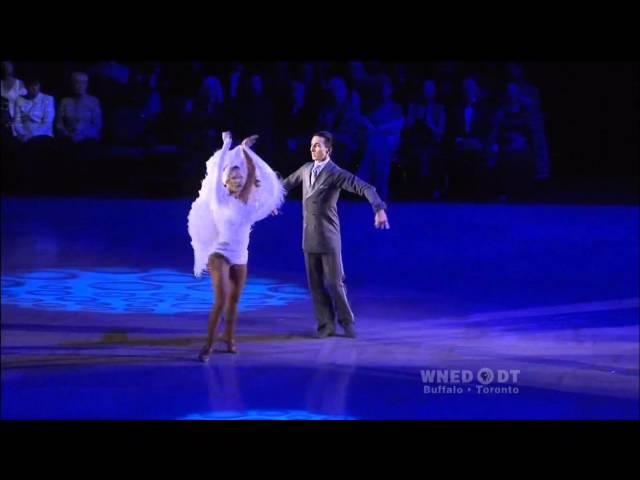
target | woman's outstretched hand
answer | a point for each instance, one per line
(249, 141)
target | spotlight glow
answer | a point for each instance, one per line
(121, 290)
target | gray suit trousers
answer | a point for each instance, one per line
(325, 275)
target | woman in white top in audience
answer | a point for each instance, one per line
(34, 113)
(12, 88)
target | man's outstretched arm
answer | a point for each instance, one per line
(349, 182)
(293, 180)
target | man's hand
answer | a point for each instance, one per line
(226, 136)
(381, 220)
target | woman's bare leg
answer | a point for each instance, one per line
(237, 277)
(219, 271)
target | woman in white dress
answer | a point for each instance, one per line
(238, 190)
(11, 90)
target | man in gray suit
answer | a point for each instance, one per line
(321, 182)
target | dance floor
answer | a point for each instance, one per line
(463, 311)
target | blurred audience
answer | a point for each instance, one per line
(409, 129)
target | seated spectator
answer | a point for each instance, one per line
(235, 76)
(253, 112)
(512, 138)
(531, 97)
(112, 70)
(12, 89)
(33, 125)
(360, 85)
(423, 137)
(400, 81)
(205, 116)
(345, 123)
(530, 93)
(78, 127)
(136, 123)
(110, 82)
(79, 117)
(315, 87)
(147, 97)
(295, 121)
(281, 80)
(448, 75)
(149, 103)
(34, 113)
(470, 153)
(384, 127)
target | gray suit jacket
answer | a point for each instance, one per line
(321, 231)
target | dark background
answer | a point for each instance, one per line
(590, 109)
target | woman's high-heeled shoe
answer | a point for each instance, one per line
(231, 346)
(205, 353)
